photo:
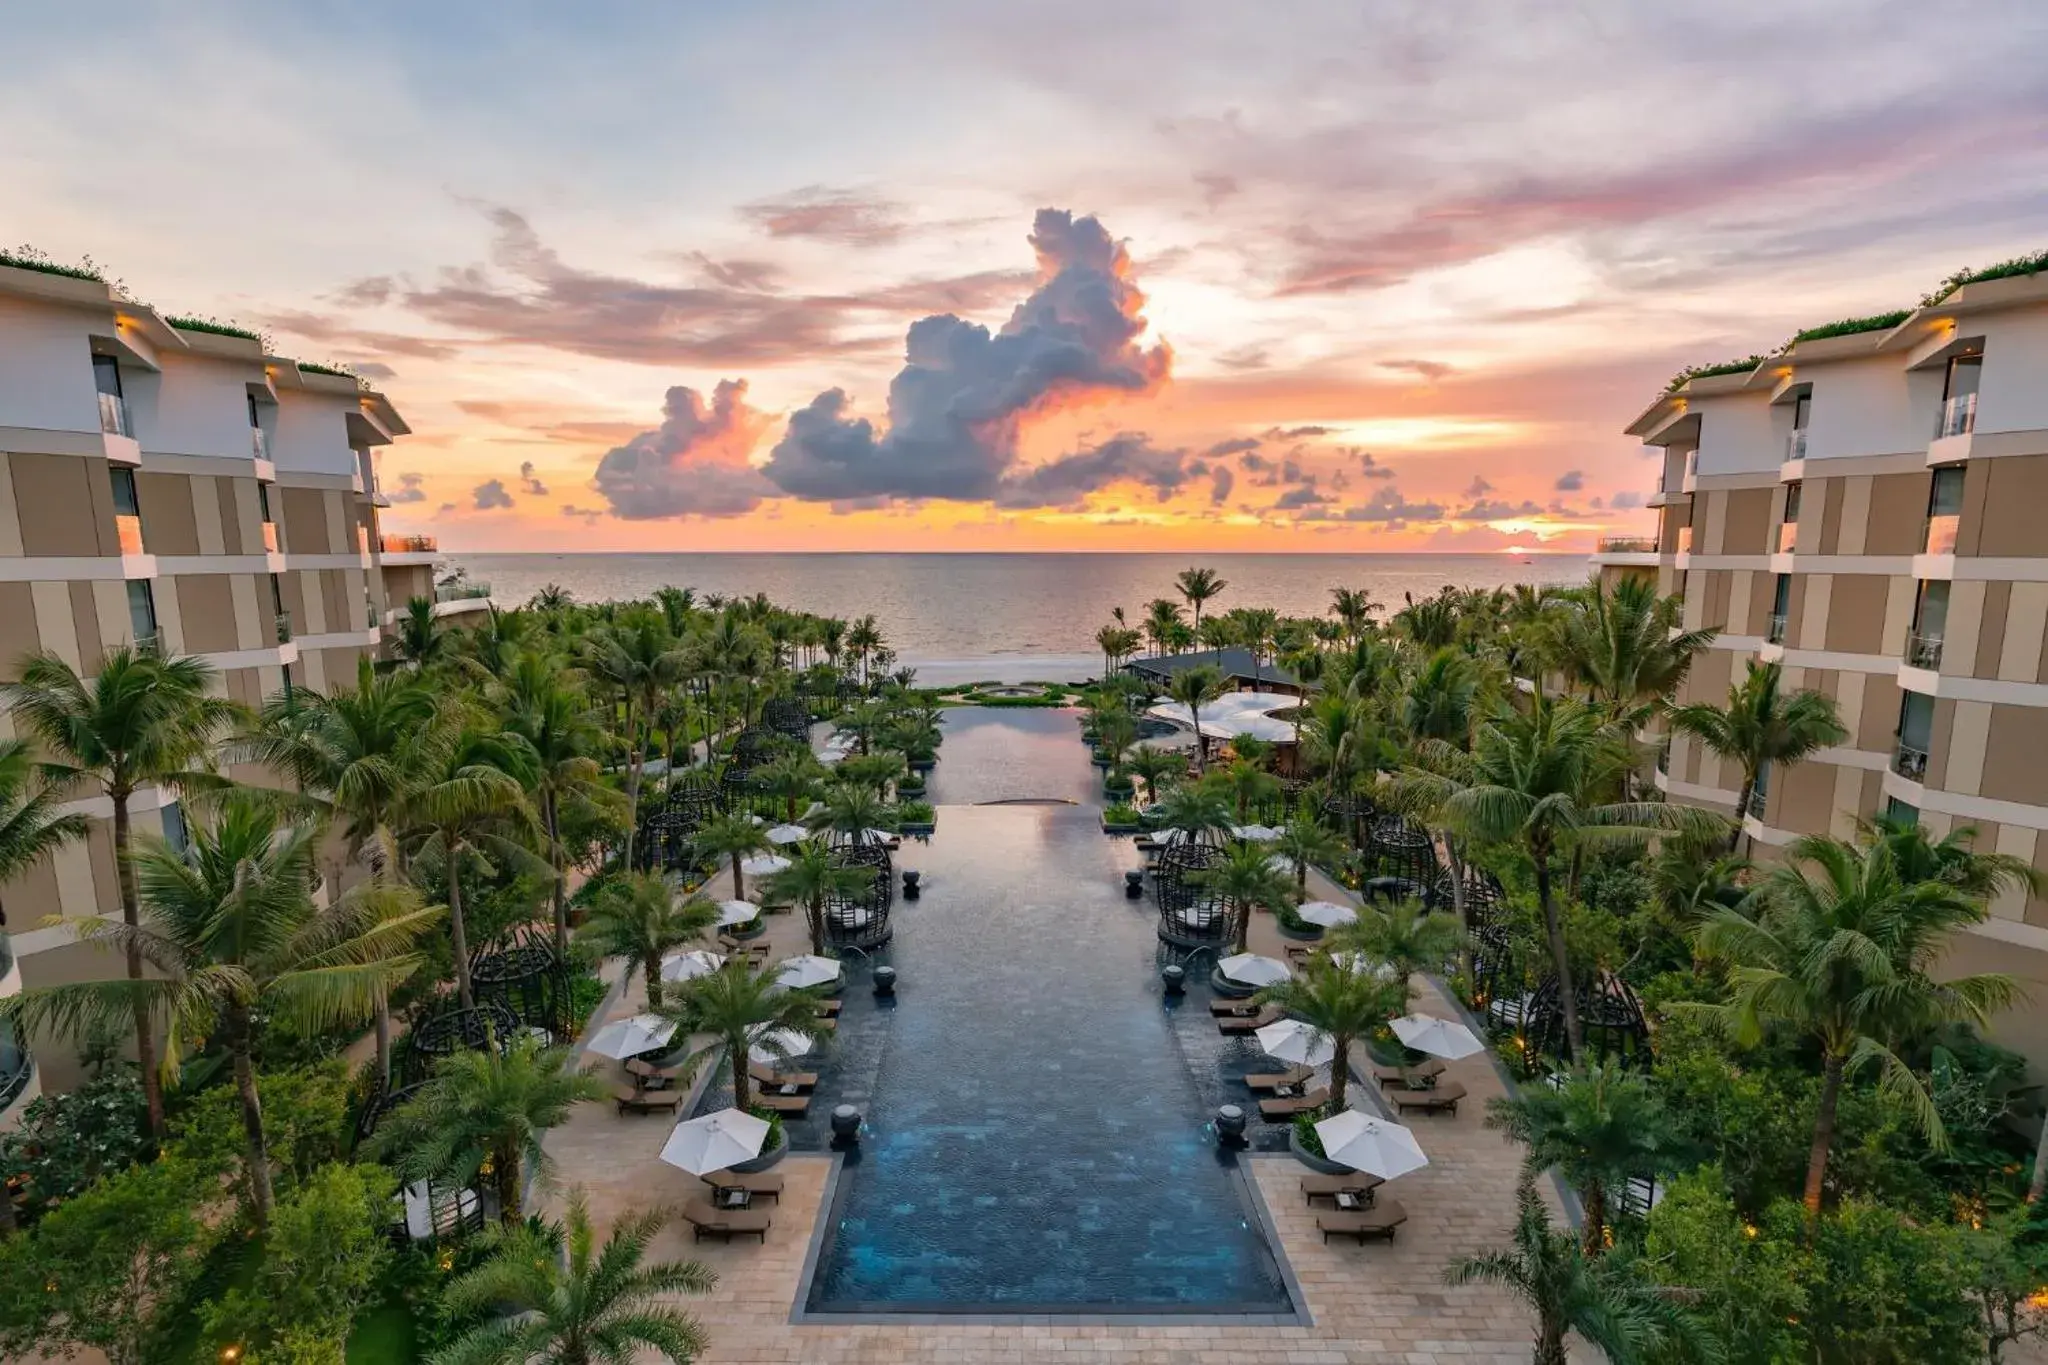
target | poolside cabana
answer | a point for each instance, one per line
(1240, 713)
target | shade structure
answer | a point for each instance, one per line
(737, 912)
(763, 864)
(1253, 969)
(1281, 864)
(1437, 1037)
(715, 1141)
(769, 1046)
(1257, 834)
(623, 1038)
(1329, 914)
(691, 965)
(1234, 714)
(1290, 1040)
(788, 834)
(1359, 962)
(1376, 1146)
(806, 971)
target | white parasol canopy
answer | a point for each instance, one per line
(1290, 1040)
(788, 834)
(770, 1046)
(762, 864)
(1359, 962)
(1258, 834)
(715, 1141)
(1254, 969)
(1376, 1146)
(623, 1038)
(691, 965)
(737, 912)
(1329, 914)
(1437, 1037)
(806, 971)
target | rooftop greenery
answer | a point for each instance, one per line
(2031, 264)
(26, 257)
(1692, 372)
(338, 371)
(1876, 322)
(218, 328)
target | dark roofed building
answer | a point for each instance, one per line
(1240, 671)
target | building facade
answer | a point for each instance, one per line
(1866, 509)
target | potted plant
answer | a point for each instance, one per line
(915, 817)
(1307, 1147)
(1293, 926)
(1120, 819)
(773, 1148)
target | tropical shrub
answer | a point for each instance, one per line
(68, 1141)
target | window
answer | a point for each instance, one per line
(284, 618)
(1916, 732)
(1760, 794)
(1903, 812)
(106, 377)
(1944, 510)
(1788, 527)
(269, 521)
(1930, 622)
(259, 441)
(175, 833)
(1781, 607)
(142, 612)
(1795, 444)
(1959, 395)
(127, 511)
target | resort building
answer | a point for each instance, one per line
(1864, 508)
(173, 487)
(1241, 670)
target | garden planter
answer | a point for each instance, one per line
(769, 1155)
(1307, 933)
(1320, 1165)
(1109, 827)
(917, 826)
(753, 928)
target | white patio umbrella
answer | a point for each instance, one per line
(737, 912)
(1282, 864)
(1258, 834)
(788, 834)
(691, 965)
(1290, 1040)
(761, 864)
(1329, 914)
(623, 1038)
(1254, 969)
(1437, 1037)
(715, 1141)
(770, 1046)
(1359, 962)
(803, 972)
(1376, 1146)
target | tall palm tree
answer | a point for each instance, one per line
(1599, 1129)
(553, 717)
(811, 880)
(140, 721)
(1159, 768)
(572, 1302)
(849, 811)
(1621, 644)
(1199, 586)
(736, 1008)
(793, 779)
(1246, 878)
(1248, 784)
(870, 772)
(863, 638)
(233, 942)
(1404, 936)
(639, 660)
(1442, 700)
(733, 837)
(420, 641)
(1617, 1310)
(1196, 811)
(31, 824)
(638, 918)
(485, 1112)
(1837, 947)
(1761, 725)
(1305, 840)
(1162, 617)
(1343, 1006)
(1526, 782)
(1195, 688)
(1354, 607)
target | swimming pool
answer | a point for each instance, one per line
(1035, 1141)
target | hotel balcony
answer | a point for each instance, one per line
(1909, 762)
(1923, 651)
(128, 533)
(467, 590)
(1777, 629)
(1788, 536)
(114, 416)
(259, 443)
(1627, 552)
(1958, 417)
(1795, 447)
(270, 537)
(1941, 534)
(284, 627)
(401, 550)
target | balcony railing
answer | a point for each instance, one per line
(1777, 633)
(407, 545)
(1628, 545)
(284, 627)
(1958, 416)
(270, 536)
(259, 441)
(1788, 536)
(464, 591)
(1795, 446)
(1685, 540)
(150, 643)
(16, 1067)
(114, 415)
(1909, 762)
(128, 533)
(1923, 651)
(1941, 534)
(1759, 802)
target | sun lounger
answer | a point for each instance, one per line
(728, 944)
(1251, 1023)
(1378, 1221)
(647, 1074)
(631, 1101)
(830, 1008)
(796, 1106)
(725, 1224)
(769, 1077)
(1294, 1075)
(1314, 1187)
(1413, 1077)
(1296, 1104)
(1443, 1099)
(757, 1184)
(1299, 956)
(1230, 1007)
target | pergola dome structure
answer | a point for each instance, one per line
(861, 919)
(523, 972)
(1190, 914)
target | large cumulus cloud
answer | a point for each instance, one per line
(693, 464)
(958, 406)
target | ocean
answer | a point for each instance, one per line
(1015, 617)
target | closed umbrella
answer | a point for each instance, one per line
(623, 1038)
(806, 971)
(1329, 914)
(737, 912)
(1290, 1040)
(1253, 969)
(691, 965)
(769, 1046)
(715, 1141)
(788, 834)
(1437, 1037)
(762, 864)
(1376, 1146)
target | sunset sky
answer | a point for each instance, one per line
(1342, 276)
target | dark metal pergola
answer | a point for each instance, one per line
(452, 1029)
(787, 717)
(523, 972)
(666, 834)
(1610, 1019)
(861, 919)
(1190, 914)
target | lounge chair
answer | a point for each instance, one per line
(1314, 1187)
(796, 1106)
(1299, 956)
(1250, 1023)
(646, 1075)
(1293, 1075)
(631, 1101)
(1230, 1008)
(1413, 1077)
(1295, 1104)
(1443, 1099)
(728, 944)
(772, 1079)
(830, 1008)
(1378, 1221)
(757, 1184)
(725, 1224)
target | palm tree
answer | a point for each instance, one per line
(1354, 607)
(638, 918)
(732, 837)
(792, 778)
(1761, 726)
(1159, 768)
(637, 659)
(141, 721)
(1620, 1312)
(1442, 701)
(850, 811)
(1249, 785)
(870, 772)
(1244, 879)
(1602, 1127)
(1196, 811)
(1526, 782)
(811, 880)
(736, 1008)
(31, 824)
(1304, 840)
(233, 942)
(1256, 627)
(1343, 1006)
(1162, 618)
(863, 638)
(420, 641)
(555, 1295)
(485, 1112)
(1195, 688)
(1837, 947)
(1198, 586)
(1621, 644)
(555, 720)
(1404, 936)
